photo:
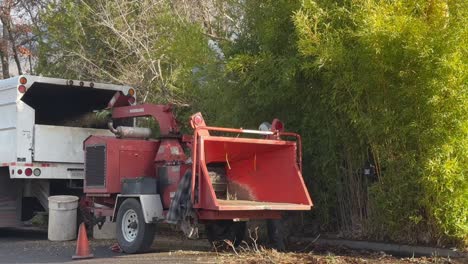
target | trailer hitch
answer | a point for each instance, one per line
(88, 218)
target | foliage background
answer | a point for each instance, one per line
(369, 84)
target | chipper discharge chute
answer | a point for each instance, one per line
(219, 177)
(240, 176)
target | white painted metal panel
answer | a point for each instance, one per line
(151, 206)
(24, 132)
(7, 116)
(62, 144)
(51, 171)
(8, 95)
(8, 83)
(8, 145)
(8, 132)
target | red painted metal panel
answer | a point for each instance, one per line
(125, 158)
(215, 215)
(207, 195)
(135, 164)
(249, 205)
(258, 170)
(269, 176)
(170, 150)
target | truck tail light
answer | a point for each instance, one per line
(28, 172)
(20, 171)
(23, 80)
(198, 120)
(22, 89)
(277, 125)
(37, 172)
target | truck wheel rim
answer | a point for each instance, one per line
(130, 225)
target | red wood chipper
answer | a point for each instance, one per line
(219, 180)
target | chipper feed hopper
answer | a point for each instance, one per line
(219, 177)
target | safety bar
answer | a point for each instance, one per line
(258, 132)
(239, 131)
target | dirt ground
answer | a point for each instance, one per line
(32, 246)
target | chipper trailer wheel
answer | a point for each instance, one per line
(133, 234)
(220, 231)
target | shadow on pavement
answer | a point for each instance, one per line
(27, 245)
(30, 245)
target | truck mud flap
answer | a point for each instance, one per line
(9, 203)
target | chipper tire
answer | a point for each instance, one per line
(133, 234)
(276, 234)
(220, 231)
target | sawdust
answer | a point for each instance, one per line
(252, 252)
(264, 256)
(238, 191)
(87, 120)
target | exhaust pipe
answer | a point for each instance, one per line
(110, 124)
(129, 132)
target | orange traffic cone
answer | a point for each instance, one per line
(83, 250)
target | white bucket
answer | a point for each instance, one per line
(62, 217)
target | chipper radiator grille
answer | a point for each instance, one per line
(95, 170)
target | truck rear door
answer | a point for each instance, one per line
(65, 115)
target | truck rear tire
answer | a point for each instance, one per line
(220, 230)
(133, 234)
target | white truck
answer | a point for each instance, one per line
(42, 128)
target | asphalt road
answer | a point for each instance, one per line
(32, 246)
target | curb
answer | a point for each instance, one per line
(401, 250)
